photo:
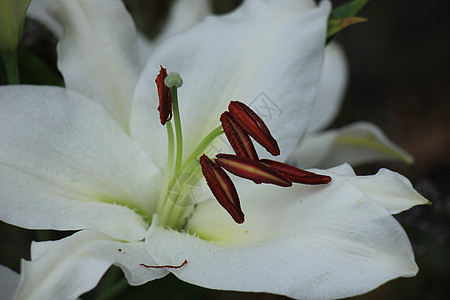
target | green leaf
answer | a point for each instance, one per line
(347, 10)
(344, 16)
(335, 26)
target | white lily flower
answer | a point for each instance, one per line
(356, 144)
(92, 157)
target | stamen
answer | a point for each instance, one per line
(254, 126)
(251, 169)
(296, 175)
(165, 266)
(238, 138)
(165, 101)
(222, 188)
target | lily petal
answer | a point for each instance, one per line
(357, 144)
(306, 242)
(397, 194)
(331, 89)
(240, 56)
(98, 53)
(9, 281)
(183, 15)
(37, 12)
(65, 162)
(69, 267)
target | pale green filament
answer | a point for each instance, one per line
(169, 166)
(178, 184)
(191, 163)
(202, 146)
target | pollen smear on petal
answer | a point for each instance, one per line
(222, 188)
(296, 175)
(254, 126)
(238, 138)
(165, 101)
(251, 169)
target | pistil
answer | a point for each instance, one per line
(174, 81)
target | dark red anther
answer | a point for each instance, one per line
(238, 138)
(165, 101)
(254, 126)
(222, 188)
(251, 169)
(296, 175)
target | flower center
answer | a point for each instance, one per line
(182, 175)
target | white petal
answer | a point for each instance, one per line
(98, 53)
(266, 52)
(331, 89)
(357, 144)
(64, 163)
(304, 242)
(145, 47)
(37, 12)
(9, 281)
(183, 15)
(67, 268)
(389, 189)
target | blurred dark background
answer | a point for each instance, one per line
(399, 79)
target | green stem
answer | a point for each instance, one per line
(178, 132)
(11, 66)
